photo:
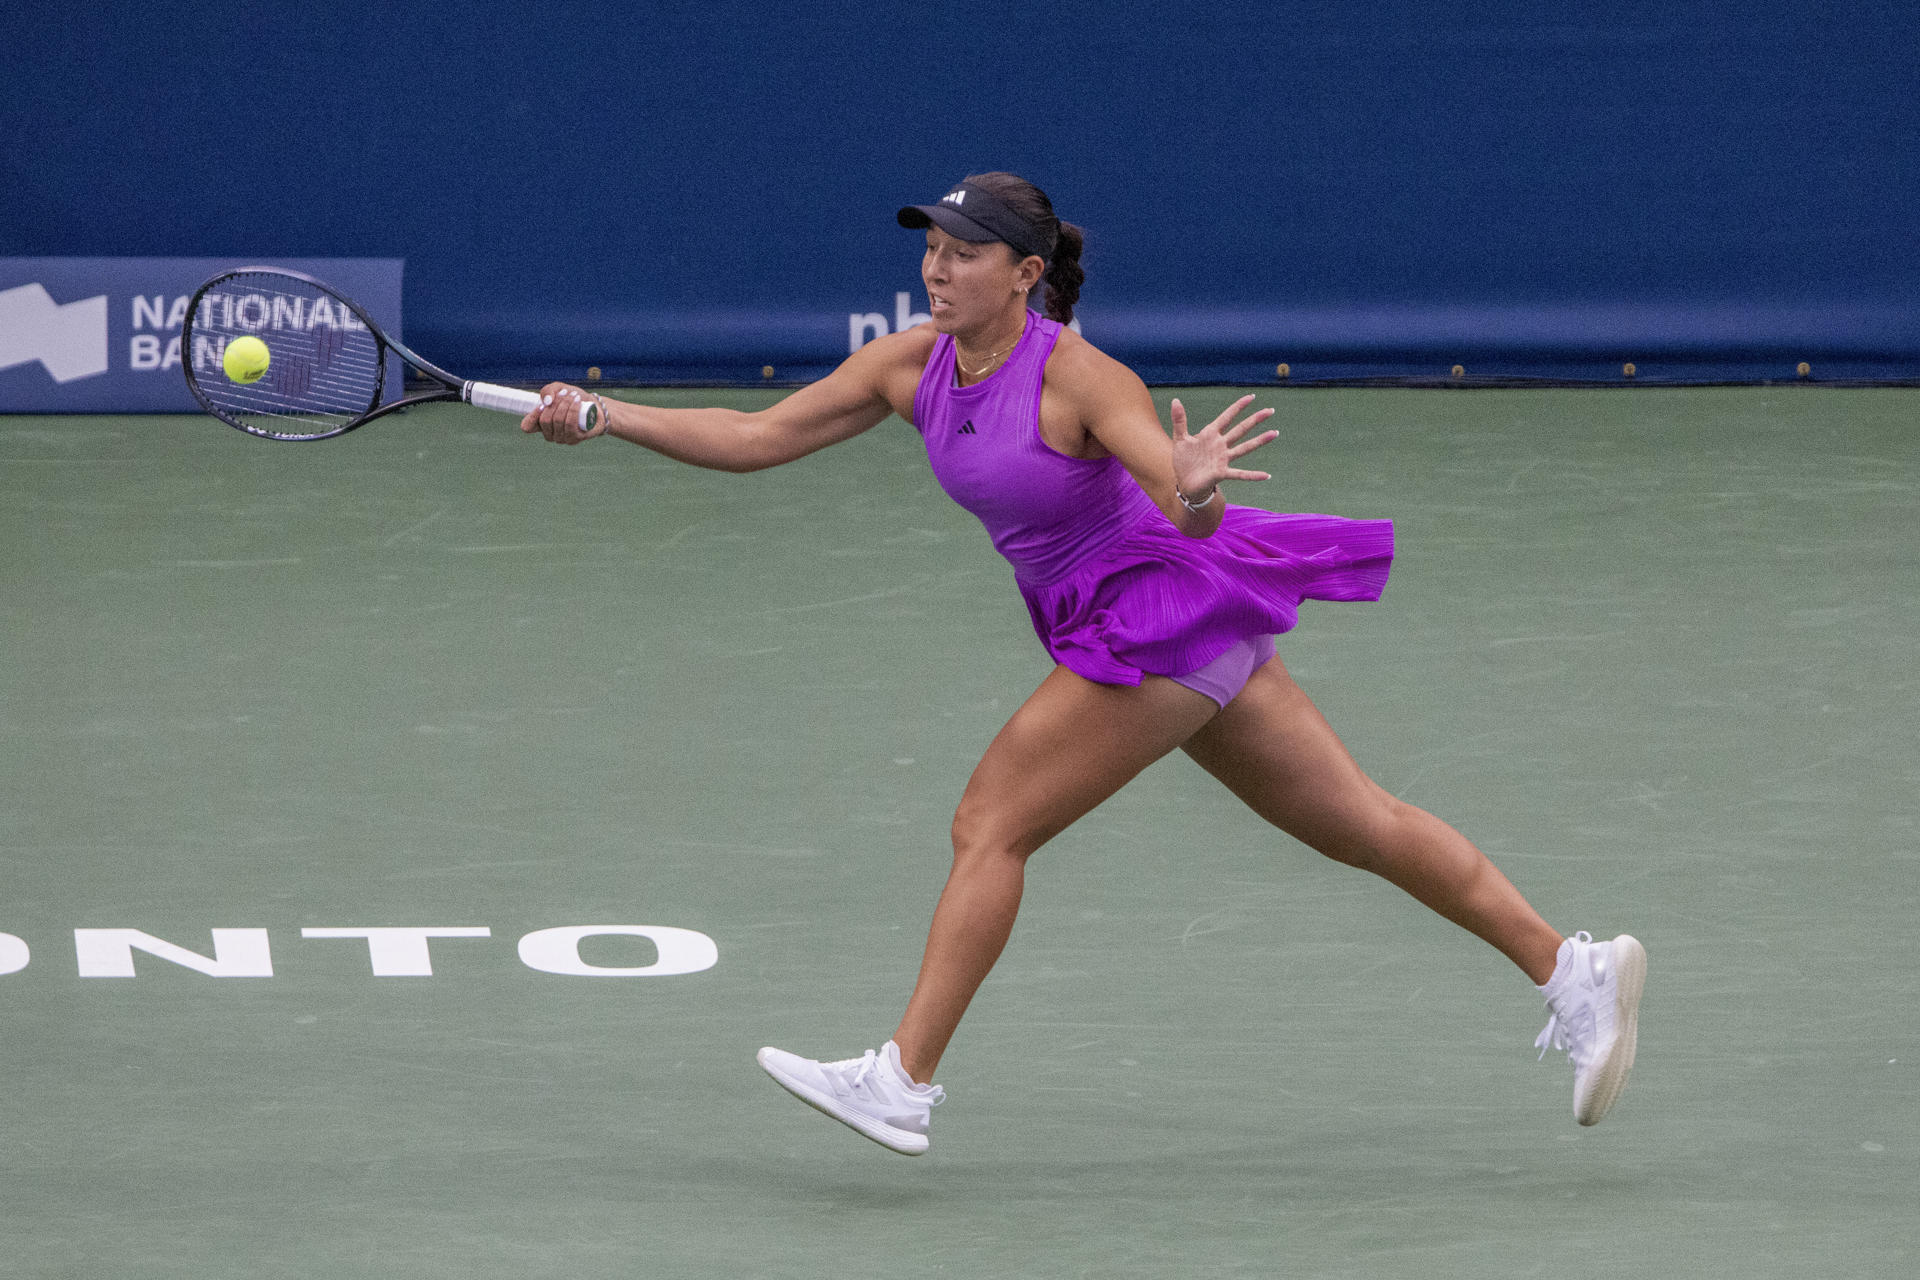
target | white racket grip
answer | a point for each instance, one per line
(489, 395)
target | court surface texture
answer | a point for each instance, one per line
(1653, 650)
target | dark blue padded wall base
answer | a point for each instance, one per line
(698, 192)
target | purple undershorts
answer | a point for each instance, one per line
(1224, 677)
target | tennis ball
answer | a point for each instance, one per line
(246, 359)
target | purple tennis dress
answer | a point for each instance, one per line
(1115, 590)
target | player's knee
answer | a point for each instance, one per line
(979, 834)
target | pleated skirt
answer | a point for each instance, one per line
(1156, 602)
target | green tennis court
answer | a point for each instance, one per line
(1653, 650)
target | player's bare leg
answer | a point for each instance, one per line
(1273, 749)
(1069, 747)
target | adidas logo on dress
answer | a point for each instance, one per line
(966, 428)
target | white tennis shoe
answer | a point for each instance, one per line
(872, 1095)
(1594, 999)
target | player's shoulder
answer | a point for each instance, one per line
(911, 347)
(887, 369)
(1087, 373)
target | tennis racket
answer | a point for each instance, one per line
(326, 360)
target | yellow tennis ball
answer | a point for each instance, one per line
(246, 359)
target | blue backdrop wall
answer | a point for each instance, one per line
(695, 191)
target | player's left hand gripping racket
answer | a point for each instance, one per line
(327, 360)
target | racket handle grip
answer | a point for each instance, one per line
(489, 395)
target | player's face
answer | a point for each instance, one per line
(970, 286)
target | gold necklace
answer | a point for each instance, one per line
(988, 363)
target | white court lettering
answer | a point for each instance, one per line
(680, 951)
(237, 953)
(400, 952)
(393, 951)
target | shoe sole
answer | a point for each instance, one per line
(907, 1144)
(1630, 964)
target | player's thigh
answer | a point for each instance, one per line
(1277, 753)
(1070, 746)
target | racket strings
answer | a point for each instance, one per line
(324, 367)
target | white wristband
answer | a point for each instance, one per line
(1191, 505)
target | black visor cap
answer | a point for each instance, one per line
(971, 213)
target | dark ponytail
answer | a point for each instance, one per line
(1065, 241)
(1064, 274)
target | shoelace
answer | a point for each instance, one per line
(1572, 1031)
(869, 1066)
(1553, 1037)
(1556, 1033)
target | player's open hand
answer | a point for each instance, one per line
(1206, 457)
(558, 417)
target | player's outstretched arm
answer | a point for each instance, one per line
(873, 382)
(1116, 409)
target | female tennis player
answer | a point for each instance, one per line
(1157, 600)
